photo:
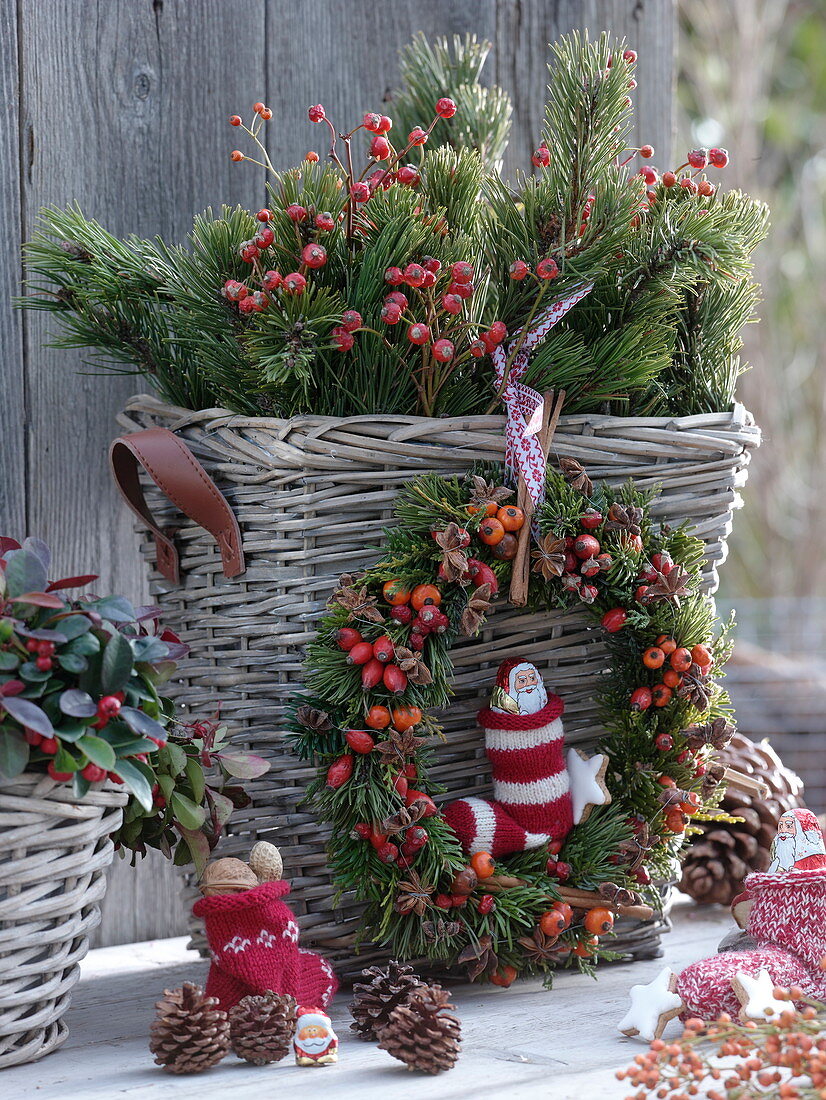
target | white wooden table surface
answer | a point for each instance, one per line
(517, 1042)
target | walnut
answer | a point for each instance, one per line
(227, 876)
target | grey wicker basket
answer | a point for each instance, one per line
(311, 495)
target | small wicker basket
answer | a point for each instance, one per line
(311, 495)
(54, 851)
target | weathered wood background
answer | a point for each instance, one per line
(122, 106)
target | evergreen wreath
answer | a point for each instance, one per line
(380, 663)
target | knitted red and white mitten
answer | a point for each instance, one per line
(253, 940)
(531, 802)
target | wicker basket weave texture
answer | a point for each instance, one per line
(54, 851)
(311, 495)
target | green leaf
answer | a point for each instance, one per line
(98, 751)
(117, 663)
(177, 758)
(198, 847)
(243, 765)
(14, 753)
(78, 704)
(136, 781)
(167, 785)
(182, 855)
(72, 662)
(134, 746)
(116, 609)
(29, 671)
(70, 731)
(25, 572)
(195, 775)
(28, 714)
(80, 785)
(222, 808)
(142, 724)
(74, 625)
(8, 660)
(190, 815)
(65, 762)
(84, 645)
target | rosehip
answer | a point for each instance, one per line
(394, 276)
(669, 179)
(360, 192)
(646, 151)
(391, 313)
(518, 270)
(462, 273)
(630, 56)
(547, 269)
(417, 136)
(235, 120)
(324, 221)
(343, 339)
(294, 283)
(461, 290)
(371, 122)
(248, 252)
(264, 237)
(314, 255)
(414, 275)
(296, 213)
(93, 773)
(664, 742)
(718, 157)
(385, 124)
(689, 185)
(408, 174)
(705, 187)
(312, 156)
(452, 303)
(649, 174)
(418, 333)
(236, 155)
(698, 158)
(350, 320)
(498, 331)
(272, 281)
(445, 108)
(316, 113)
(442, 351)
(541, 157)
(478, 348)
(430, 263)
(380, 147)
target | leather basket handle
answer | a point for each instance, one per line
(179, 475)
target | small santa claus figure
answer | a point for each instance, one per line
(531, 802)
(315, 1043)
(798, 845)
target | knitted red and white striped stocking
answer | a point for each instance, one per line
(532, 800)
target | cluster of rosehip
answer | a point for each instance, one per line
(375, 660)
(696, 162)
(499, 529)
(585, 559)
(108, 707)
(672, 661)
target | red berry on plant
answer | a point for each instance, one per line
(418, 333)
(350, 320)
(664, 742)
(452, 303)
(258, 108)
(391, 313)
(445, 108)
(272, 281)
(498, 331)
(430, 263)
(31, 645)
(385, 124)
(547, 269)
(266, 114)
(312, 156)
(478, 348)
(416, 642)
(316, 113)
(414, 275)
(264, 215)
(588, 593)
(417, 136)
(640, 699)
(669, 179)
(646, 151)
(371, 122)
(108, 706)
(429, 279)
(705, 187)
(442, 351)
(630, 56)
(248, 252)
(698, 158)
(461, 290)
(325, 221)
(586, 546)
(93, 773)
(397, 296)
(347, 637)
(296, 212)
(44, 663)
(314, 255)
(380, 147)
(394, 276)
(689, 185)
(235, 120)
(718, 157)
(403, 614)
(236, 155)
(408, 174)
(360, 192)
(58, 777)
(48, 745)
(487, 903)
(541, 157)
(462, 273)
(649, 174)
(294, 283)
(443, 901)
(518, 270)
(590, 519)
(247, 305)
(342, 339)
(264, 237)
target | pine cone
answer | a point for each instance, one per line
(717, 862)
(424, 1033)
(375, 998)
(261, 1028)
(189, 1033)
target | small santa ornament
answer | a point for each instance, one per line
(798, 845)
(315, 1043)
(531, 802)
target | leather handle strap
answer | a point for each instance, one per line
(179, 475)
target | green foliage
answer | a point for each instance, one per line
(79, 697)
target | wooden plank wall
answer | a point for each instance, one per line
(121, 105)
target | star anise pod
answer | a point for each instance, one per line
(398, 746)
(413, 896)
(413, 666)
(624, 517)
(479, 958)
(712, 779)
(618, 895)
(477, 608)
(571, 582)
(668, 587)
(634, 850)
(672, 796)
(407, 816)
(695, 691)
(435, 931)
(454, 558)
(576, 477)
(538, 947)
(717, 734)
(485, 492)
(549, 557)
(355, 600)
(312, 718)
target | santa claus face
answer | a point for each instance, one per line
(786, 824)
(313, 1039)
(527, 689)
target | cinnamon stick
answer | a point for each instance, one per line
(745, 783)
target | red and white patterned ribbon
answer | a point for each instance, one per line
(523, 455)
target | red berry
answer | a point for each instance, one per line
(641, 699)
(443, 901)
(478, 348)
(294, 283)
(414, 275)
(462, 273)
(394, 276)
(247, 305)
(266, 114)
(361, 831)
(664, 742)
(109, 706)
(416, 642)
(32, 737)
(408, 174)
(248, 252)
(316, 113)
(347, 637)
(380, 147)
(272, 281)
(264, 237)
(705, 187)
(314, 255)
(442, 351)
(236, 155)
(418, 333)
(649, 174)
(630, 56)
(640, 593)
(391, 313)
(461, 290)
(350, 320)
(235, 120)
(31, 645)
(385, 124)
(360, 192)
(718, 157)
(360, 653)
(403, 614)
(417, 136)
(518, 270)
(547, 269)
(312, 156)
(689, 185)
(398, 297)
(296, 213)
(360, 741)
(669, 179)
(59, 777)
(395, 680)
(541, 157)
(93, 773)
(662, 563)
(429, 279)
(324, 221)
(371, 122)
(590, 519)
(698, 158)
(585, 546)
(342, 339)
(487, 903)
(48, 745)
(452, 303)
(588, 593)
(44, 664)
(371, 674)
(388, 853)
(445, 108)
(646, 151)
(498, 331)
(383, 649)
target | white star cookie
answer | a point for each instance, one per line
(756, 995)
(587, 778)
(652, 1006)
